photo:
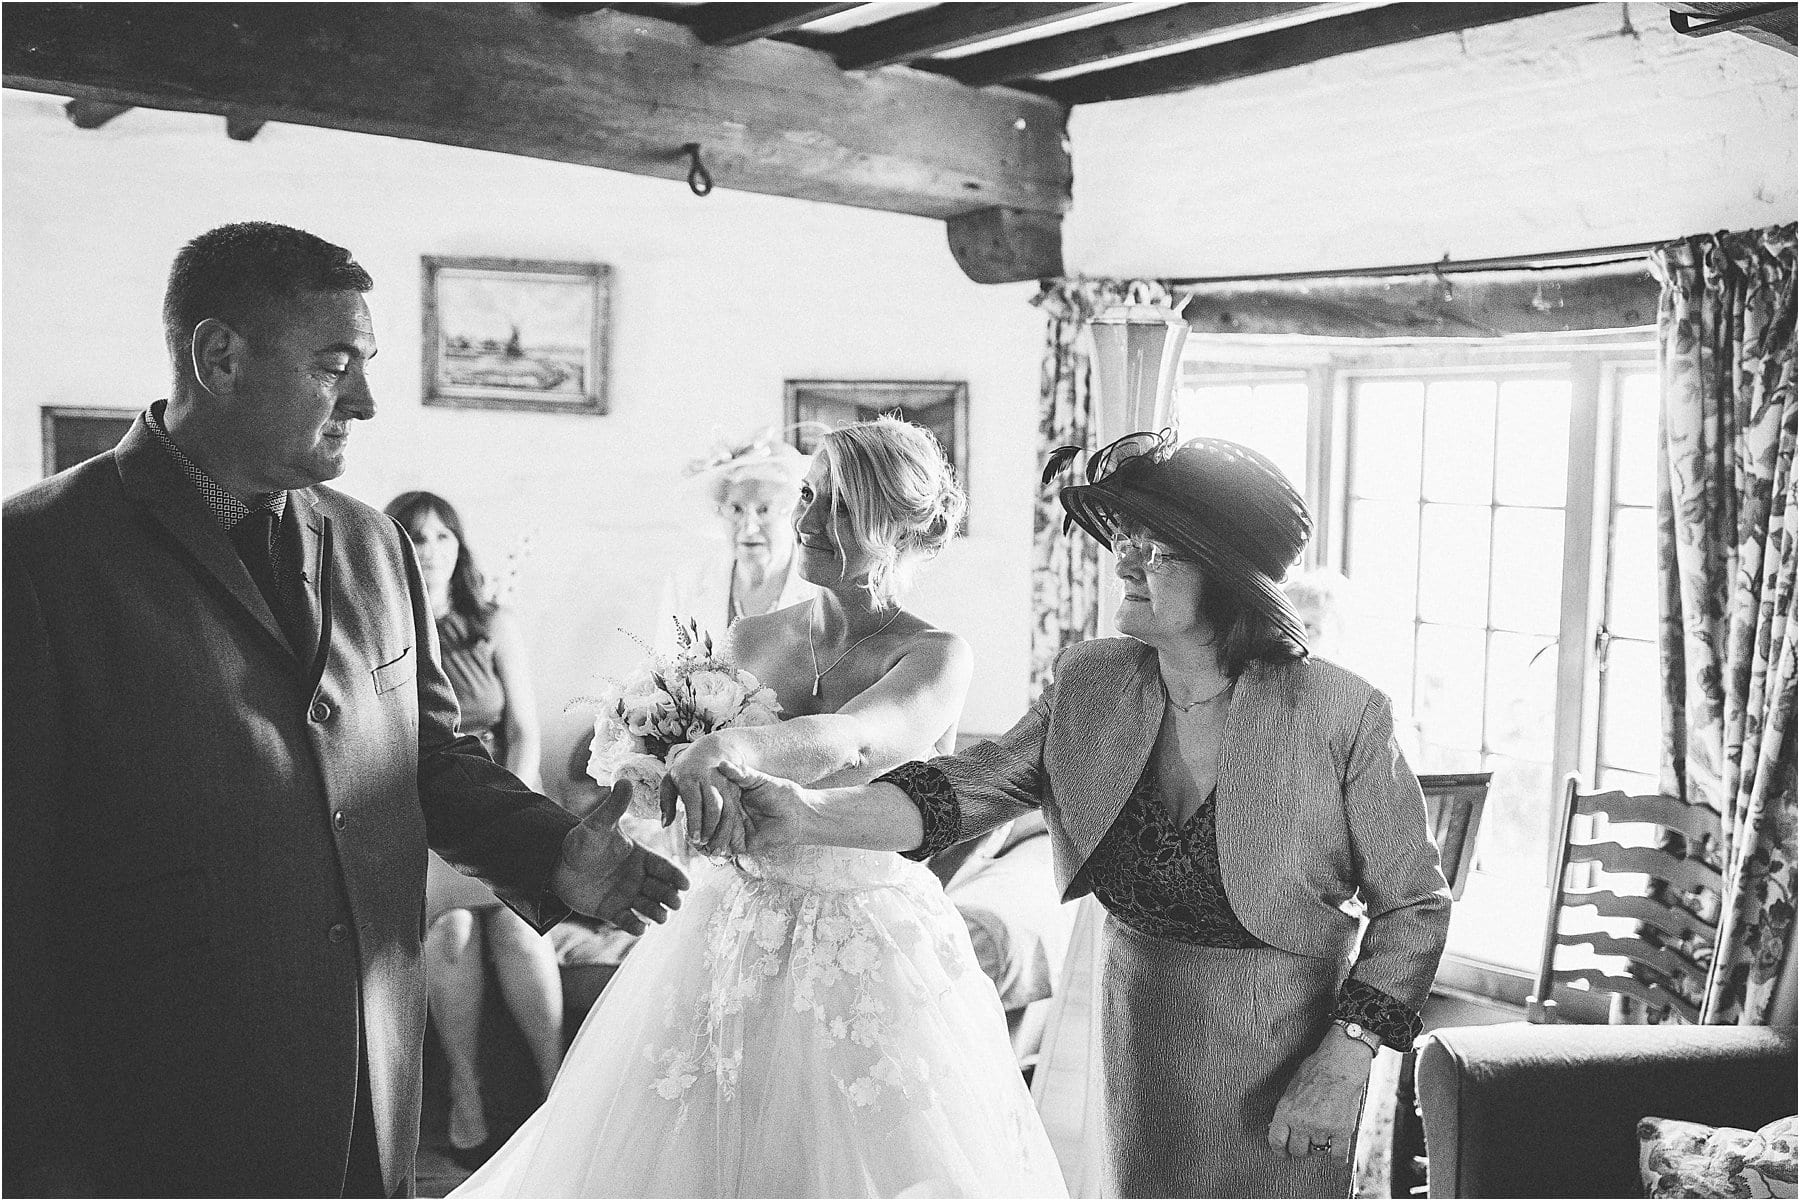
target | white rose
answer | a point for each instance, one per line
(756, 694)
(716, 696)
(612, 745)
(615, 758)
(645, 775)
(757, 714)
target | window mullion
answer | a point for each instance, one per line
(1324, 468)
(1584, 550)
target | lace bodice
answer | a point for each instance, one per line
(830, 869)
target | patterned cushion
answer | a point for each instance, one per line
(1687, 1159)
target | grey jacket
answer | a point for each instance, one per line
(1316, 804)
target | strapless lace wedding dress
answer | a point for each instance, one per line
(811, 1023)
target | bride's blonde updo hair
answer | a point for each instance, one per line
(900, 494)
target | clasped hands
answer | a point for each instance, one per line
(730, 809)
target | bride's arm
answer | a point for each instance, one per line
(947, 800)
(885, 725)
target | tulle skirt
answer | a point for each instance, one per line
(808, 1024)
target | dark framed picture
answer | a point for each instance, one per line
(941, 406)
(516, 334)
(73, 434)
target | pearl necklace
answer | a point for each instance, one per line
(817, 688)
(1220, 691)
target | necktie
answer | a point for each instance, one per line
(254, 538)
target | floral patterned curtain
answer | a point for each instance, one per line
(1726, 517)
(1065, 571)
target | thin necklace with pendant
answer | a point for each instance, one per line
(817, 688)
(1191, 705)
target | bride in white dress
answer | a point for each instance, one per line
(812, 1022)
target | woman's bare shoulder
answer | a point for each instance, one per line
(919, 636)
(754, 631)
(760, 625)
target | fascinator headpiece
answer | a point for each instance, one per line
(765, 454)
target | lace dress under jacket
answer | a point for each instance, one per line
(1162, 880)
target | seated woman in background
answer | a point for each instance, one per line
(754, 487)
(483, 653)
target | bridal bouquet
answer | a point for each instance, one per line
(668, 702)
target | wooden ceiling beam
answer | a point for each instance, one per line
(1006, 246)
(1388, 25)
(92, 114)
(607, 90)
(1475, 304)
(938, 28)
(736, 24)
(1133, 35)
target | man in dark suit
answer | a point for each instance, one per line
(228, 743)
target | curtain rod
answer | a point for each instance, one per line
(1603, 257)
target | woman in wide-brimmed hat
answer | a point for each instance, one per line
(1235, 805)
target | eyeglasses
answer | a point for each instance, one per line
(1153, 555)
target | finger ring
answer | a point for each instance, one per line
(1315, 1145)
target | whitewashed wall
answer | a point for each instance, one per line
(718, 301)
(1557, 132)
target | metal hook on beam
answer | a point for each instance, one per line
(699, 179)
(1437, 269)
(1684, 23)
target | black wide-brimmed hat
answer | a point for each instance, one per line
(1222, 504)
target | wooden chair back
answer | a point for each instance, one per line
(1676, 914)
(1453, 804)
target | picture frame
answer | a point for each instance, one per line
(942, 406)
(525, 334)
(75, 433)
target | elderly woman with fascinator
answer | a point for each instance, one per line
(754, 487)
(1239, 809)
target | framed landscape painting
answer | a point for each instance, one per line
(516, 334)
(941, 406)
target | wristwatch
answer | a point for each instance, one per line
(1360, 1033)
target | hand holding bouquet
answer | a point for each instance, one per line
(667, 703)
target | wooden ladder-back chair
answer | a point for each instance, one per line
(1453, 804)
(1677, 916)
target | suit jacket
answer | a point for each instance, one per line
(1315, 803)
(215, 841)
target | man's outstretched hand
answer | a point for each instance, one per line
(605, 875)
